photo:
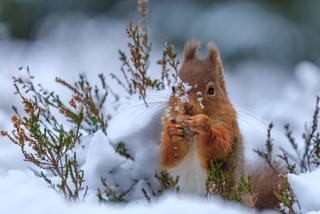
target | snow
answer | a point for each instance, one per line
(200, 99)
(182, 90)
(28, 193)
(306, 187)
(307, 72)
(101, 159)
(279, 97)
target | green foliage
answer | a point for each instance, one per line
(135, 65)
(299, 162)
(244, 187)
(166, 183)
(137, 80)
(43, 139)
(111, 193)
(40, 130)
(169, 61)
(122, 150)
(87, 99)
(218, 182)
(287, 198)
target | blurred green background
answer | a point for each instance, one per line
(285, 31)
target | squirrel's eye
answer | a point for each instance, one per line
(211, 90)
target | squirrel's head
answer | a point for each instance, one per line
(200, 87)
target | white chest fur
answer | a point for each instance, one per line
(192, 177)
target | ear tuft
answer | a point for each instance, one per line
(213, 53)
(190, 49)
(214, 57)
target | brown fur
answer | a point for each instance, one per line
(190, 49)
(266, 181)
(214, 126)
(173, 146)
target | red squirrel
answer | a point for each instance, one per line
(201, 126)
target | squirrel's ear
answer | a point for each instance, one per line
(213, 53)
(214, 57)
(190, 49)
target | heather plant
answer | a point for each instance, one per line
(170, 64)
(44, 140)
(113, 193)
(122, 150)
(89, 100)
(304, 158)
(136, 78)
(288, 199)
(217, 183)
(166, 183)
(50, 145)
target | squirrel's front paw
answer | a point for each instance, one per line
(175, 130)
(199, 123)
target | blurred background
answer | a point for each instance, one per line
(283, 32)
(270, 48)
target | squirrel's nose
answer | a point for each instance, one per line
(189, 109)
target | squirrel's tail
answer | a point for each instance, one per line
(266, 181)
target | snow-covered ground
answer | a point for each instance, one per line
(261, 93)
(28, 194)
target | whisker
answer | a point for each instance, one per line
(260, 125)
(250, 114)
(141, 104)
(244, 119)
